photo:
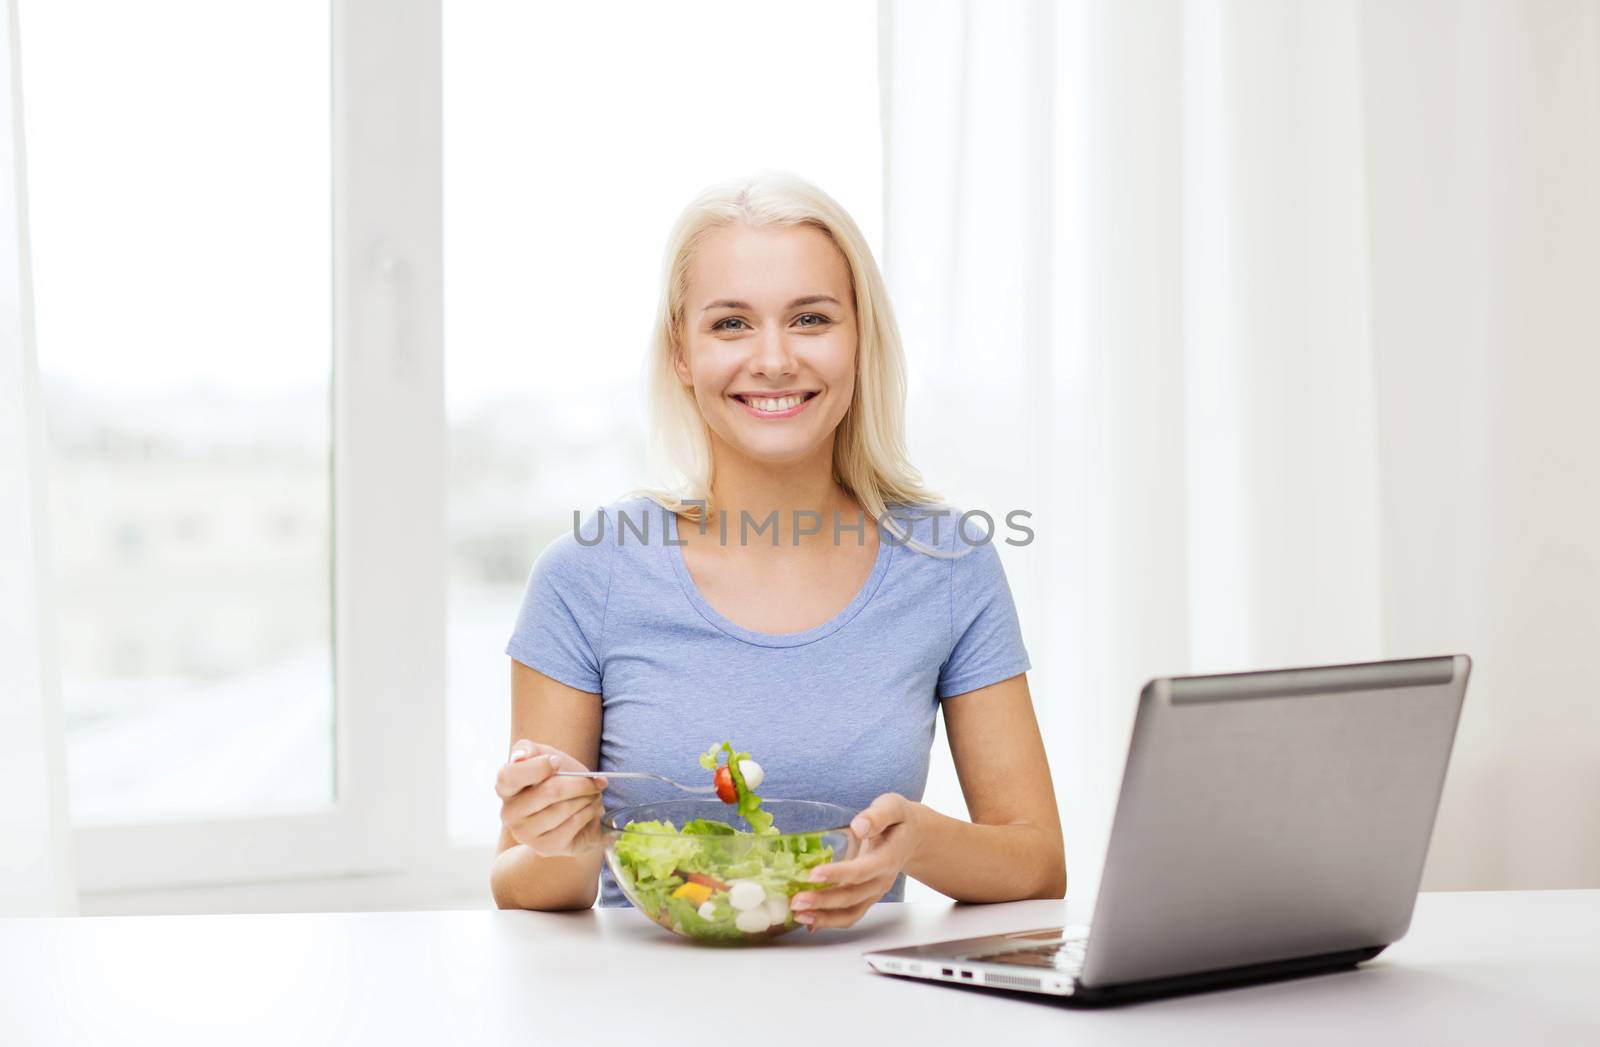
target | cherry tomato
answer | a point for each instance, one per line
(723, 780)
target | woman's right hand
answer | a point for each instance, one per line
(553, 817)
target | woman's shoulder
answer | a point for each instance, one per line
(584, 550)
(638, 518)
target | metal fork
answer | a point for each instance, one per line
(639, 774)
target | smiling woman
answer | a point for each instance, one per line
(778, 387)
(784, 286)
(772, 360)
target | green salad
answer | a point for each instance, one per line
(710, 880)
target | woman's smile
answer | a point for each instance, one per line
(775, 405)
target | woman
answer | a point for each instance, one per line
(800, 594)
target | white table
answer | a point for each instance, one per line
(1504, 968)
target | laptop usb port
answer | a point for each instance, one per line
(947, 972)
(966, 974)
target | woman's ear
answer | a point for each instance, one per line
(680, 367)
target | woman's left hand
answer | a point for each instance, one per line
(888, 832)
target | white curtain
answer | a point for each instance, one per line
(36, 876)
(1279, 319)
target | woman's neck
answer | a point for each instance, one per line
(760, 489)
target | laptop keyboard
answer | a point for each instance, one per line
(1064, 955)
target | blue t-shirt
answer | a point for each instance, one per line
(842, 712)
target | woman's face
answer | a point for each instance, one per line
(769, 339)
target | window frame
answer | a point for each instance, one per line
(389, 491)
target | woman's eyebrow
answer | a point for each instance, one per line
(728, 303)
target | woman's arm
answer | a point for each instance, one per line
(564, 718)
(1012, 848)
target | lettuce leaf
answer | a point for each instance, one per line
(654, 849)
(707, 827)
(747, 803)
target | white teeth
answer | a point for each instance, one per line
(782, 403)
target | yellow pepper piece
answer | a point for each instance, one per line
(697, 893)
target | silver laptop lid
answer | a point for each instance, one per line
(1270, 815)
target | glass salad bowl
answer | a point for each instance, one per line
(695, 868)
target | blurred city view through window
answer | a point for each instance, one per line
(180, 211)
(192, 541)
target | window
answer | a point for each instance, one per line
(179, 203)
(236, 231)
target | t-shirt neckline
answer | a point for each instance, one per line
(680, 567)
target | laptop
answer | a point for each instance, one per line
(1270, 824)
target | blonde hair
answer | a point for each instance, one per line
(870, 460)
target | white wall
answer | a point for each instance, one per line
(1484, 176)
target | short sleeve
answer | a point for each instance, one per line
(560, 624)
(987, 638)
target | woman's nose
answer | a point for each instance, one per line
(772, 354)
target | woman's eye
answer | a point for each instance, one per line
(720, 325)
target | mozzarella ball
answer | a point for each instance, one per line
(753, 774)
(752, 921)
(707, 911)
(746, 894)
(777, 907)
